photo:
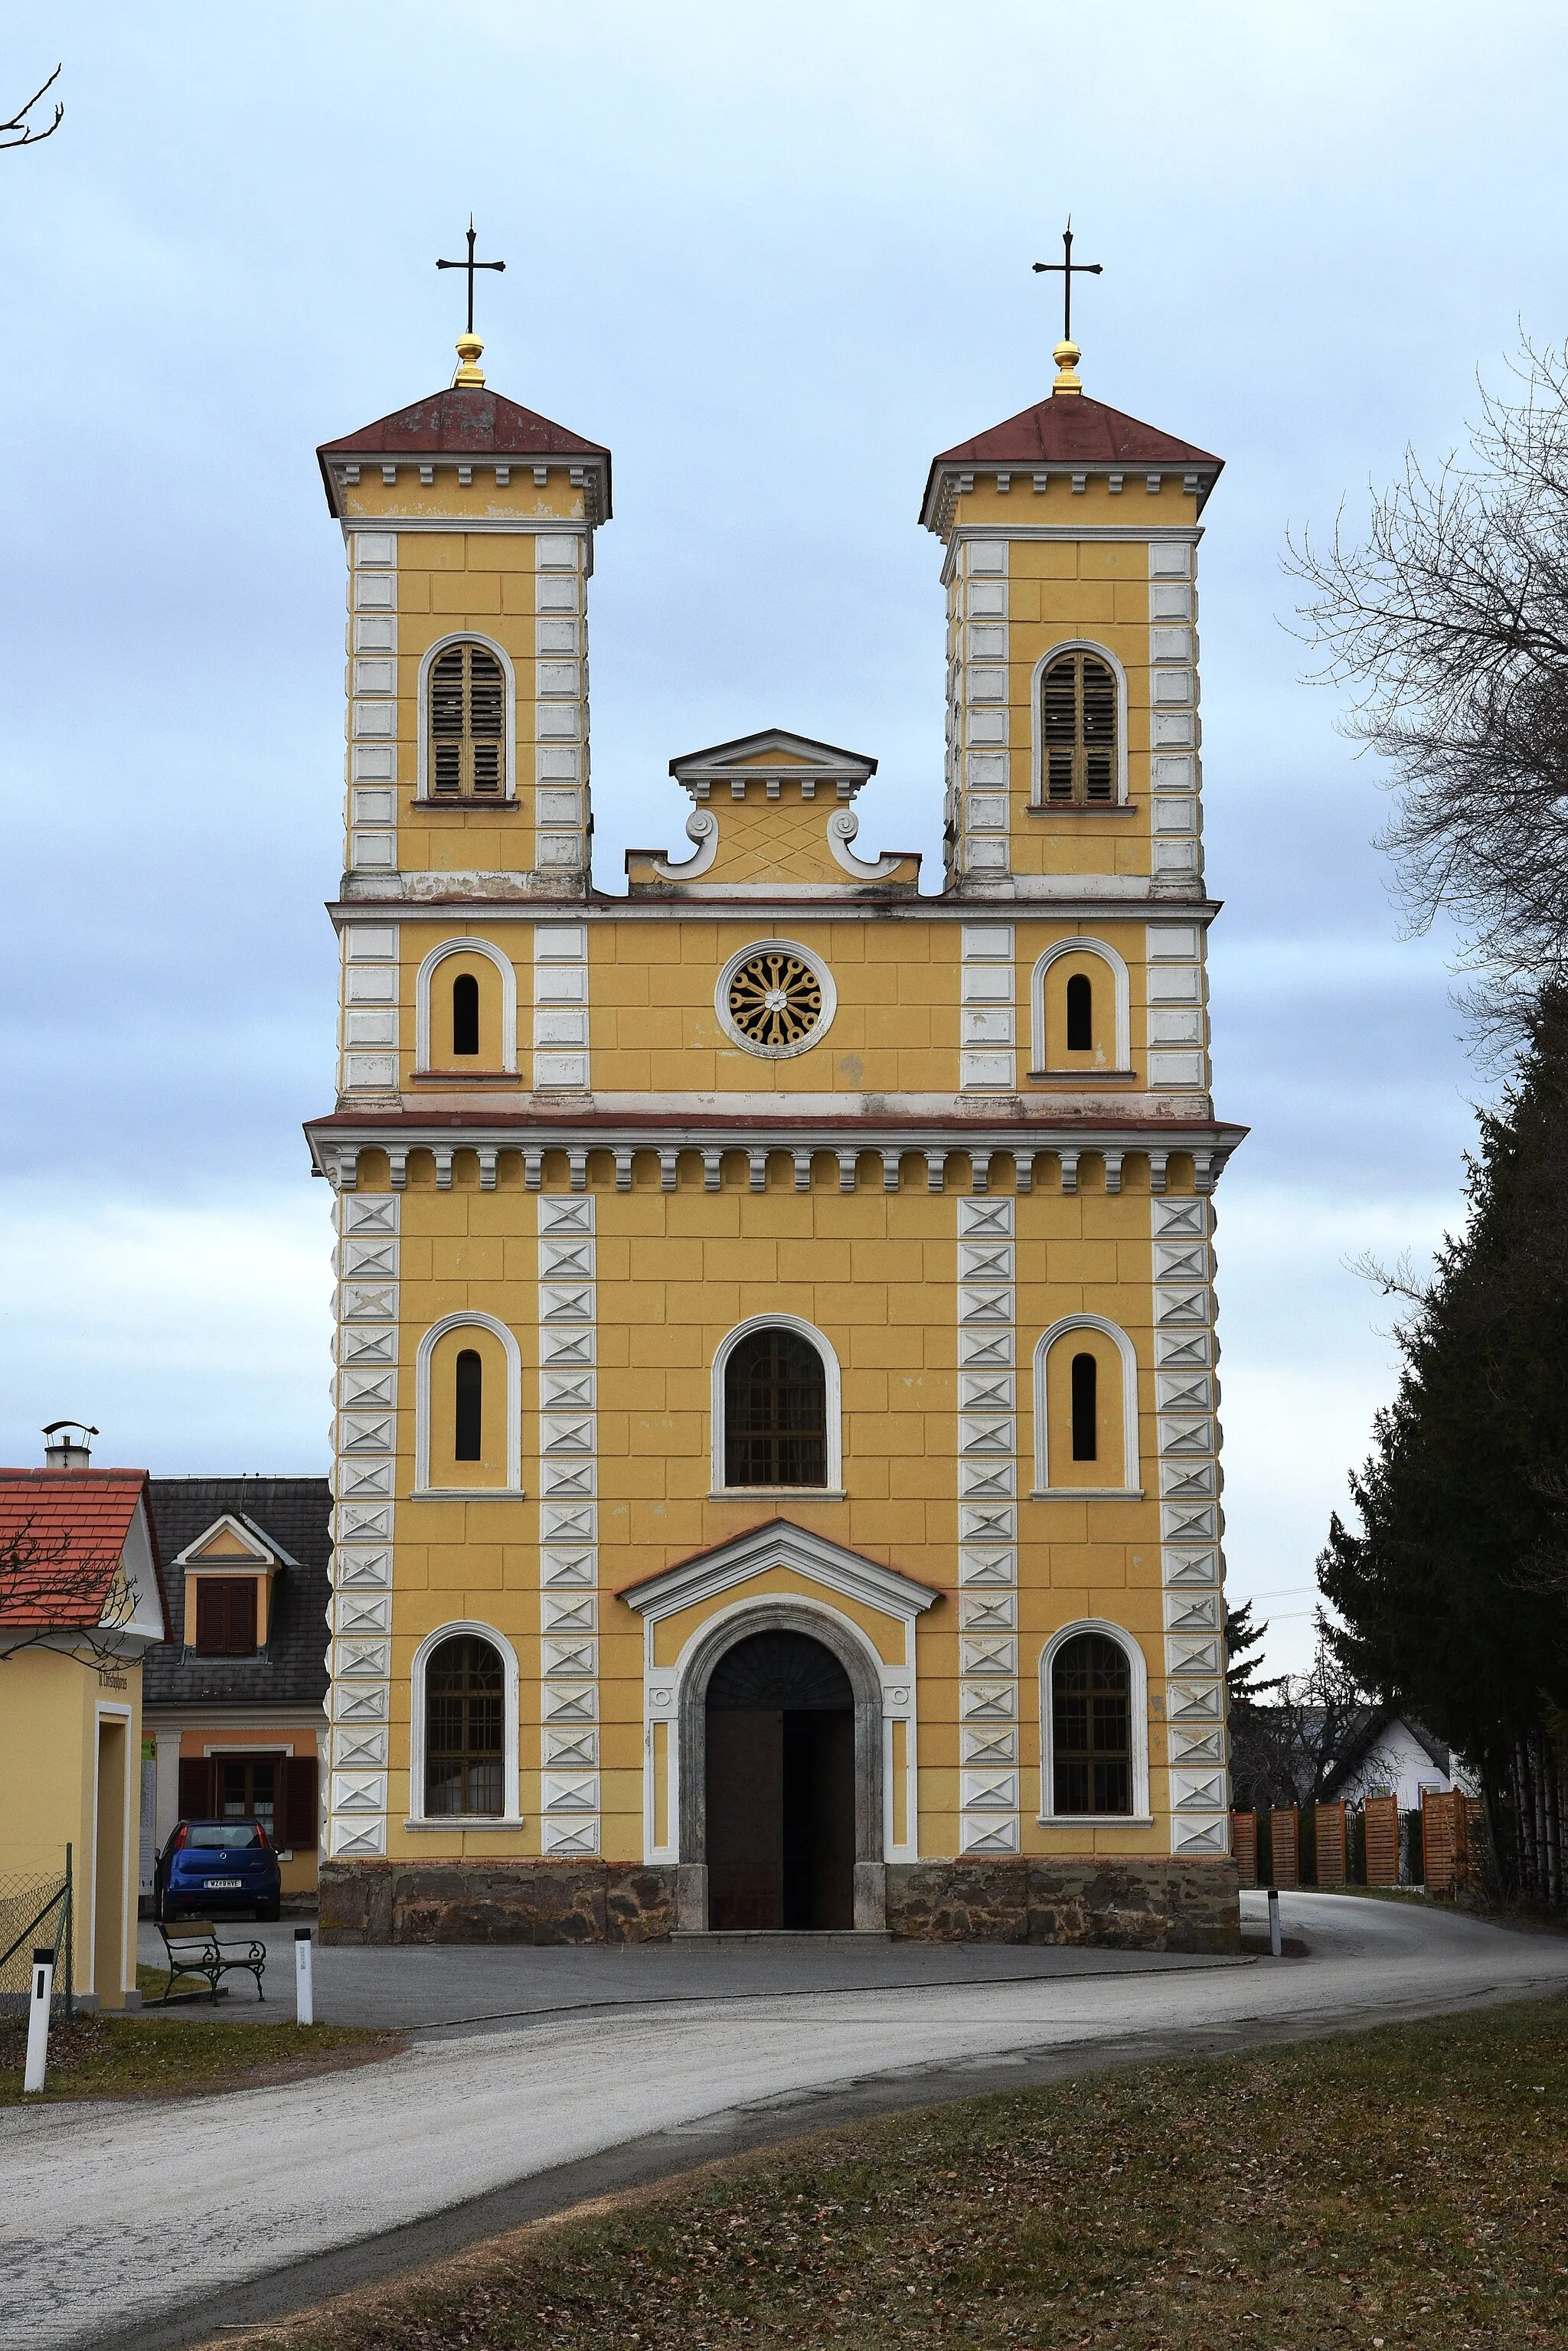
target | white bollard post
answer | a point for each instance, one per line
(1276, 1948)
(38, 2021)
(304, 1995)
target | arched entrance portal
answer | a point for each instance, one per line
(780, 1785)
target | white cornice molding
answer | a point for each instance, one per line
(1073, 903)
(522, 526)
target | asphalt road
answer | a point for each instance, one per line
(158, 2224)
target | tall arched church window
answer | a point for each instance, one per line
(1092, 1723)
(1078, 729)
(467, 724)
(775, 1412)
(464, 1699)
(468, 1407)
(464, 1014)
(1080, 1013)
(1086, 1408)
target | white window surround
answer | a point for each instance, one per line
(832, 1491)
(1138, 1710)
(824, 979)
(418, 1818)
(443, 644)
(1122, 988)
(427, 970)
(1130, 1488)
(1036, 758)
(467, 1319)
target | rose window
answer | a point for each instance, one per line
(774, 998)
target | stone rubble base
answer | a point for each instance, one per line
(1107, 1901)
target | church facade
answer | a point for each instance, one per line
(776, 1480)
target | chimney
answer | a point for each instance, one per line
(62, 1450)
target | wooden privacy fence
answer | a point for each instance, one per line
(1450, 1837)
(1327, 1844)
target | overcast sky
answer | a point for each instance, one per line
(776, 257)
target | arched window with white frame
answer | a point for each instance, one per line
(468, 1408)
(1080, 728)
(466, 1011)
(1086, 1410)
(776, 1409)
(1081, 1016)
(463, 1742)
(468, 722)
(1093, 1722)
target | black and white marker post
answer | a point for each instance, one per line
(38, 2021)
(1276, 1946)
(303, 1991)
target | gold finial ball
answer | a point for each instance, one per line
(1067, 356)
(469, 370)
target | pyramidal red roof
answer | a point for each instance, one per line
(61, 1535)
(1073, 430)
(463, 423)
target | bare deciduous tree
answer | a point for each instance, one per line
(1448, 621)
(48, 1587)
(19, 132)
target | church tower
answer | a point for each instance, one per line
(776, 1456)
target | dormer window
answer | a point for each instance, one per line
(1078, 727)
(467, 725)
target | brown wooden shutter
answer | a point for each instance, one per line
(195, 1788)
(296, 1817)
(226, 1616)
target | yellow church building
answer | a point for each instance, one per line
(776, 1481)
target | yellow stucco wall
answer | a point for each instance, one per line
(51, 1706)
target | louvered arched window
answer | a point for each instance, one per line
(1078, 729)
(467, 725)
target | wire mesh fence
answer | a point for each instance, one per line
(35, 1914)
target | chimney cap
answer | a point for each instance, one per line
(66, 1452)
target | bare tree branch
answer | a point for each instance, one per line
(45, 1585)
(19, 132)
(1448, 624)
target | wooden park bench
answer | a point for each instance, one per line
(204, 1955)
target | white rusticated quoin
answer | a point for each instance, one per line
(363, 1442)
(988, 1731)
(569, 1528)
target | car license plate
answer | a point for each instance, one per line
(222, 1885)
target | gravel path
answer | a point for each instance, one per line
(155, 2224)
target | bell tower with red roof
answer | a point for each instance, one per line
(1071, 534)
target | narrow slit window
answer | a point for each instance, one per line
(464, 1014)
(1080, 1014)
(1086, 1408)
(1078, 729)
(467, 725)
(1091, 1726)
(469, 1413)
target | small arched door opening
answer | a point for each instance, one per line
(781, 1786)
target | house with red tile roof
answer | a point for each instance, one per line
(81, 1600)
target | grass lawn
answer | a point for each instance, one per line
(1399, 2188)
(169, 2057)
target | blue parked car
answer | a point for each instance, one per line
(217, 1866)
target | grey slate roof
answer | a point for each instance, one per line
(295, 1514)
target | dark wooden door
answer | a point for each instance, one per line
(819, 1819)
(745, 1817)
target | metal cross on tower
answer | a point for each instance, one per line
(471, 265)
(1067, 269)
